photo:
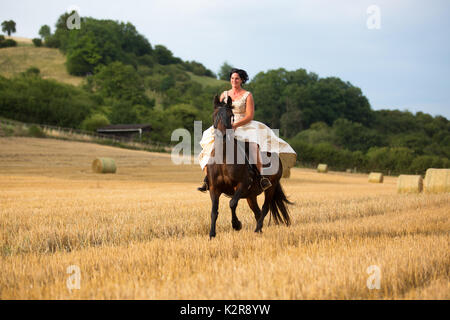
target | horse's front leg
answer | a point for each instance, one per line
(237, 225)
(214, 211)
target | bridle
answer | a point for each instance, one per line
(222, 115)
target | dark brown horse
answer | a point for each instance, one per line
(240, 179)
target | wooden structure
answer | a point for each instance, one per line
(129, 131)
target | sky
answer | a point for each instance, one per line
(396, 51)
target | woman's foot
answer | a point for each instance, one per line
(265, 183)
(205, 185)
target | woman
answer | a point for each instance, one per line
(246, 129)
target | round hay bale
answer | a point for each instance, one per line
(376, 177)
(409, 184)
(322, 168)
(348, 170)
(436, 180)
(104, 165)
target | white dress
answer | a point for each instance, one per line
(253, 131)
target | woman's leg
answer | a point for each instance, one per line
(205, 185)
(255, 155)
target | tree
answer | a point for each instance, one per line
(84, 56)
(95, 121)
(123, 112)
(100, 42)
(9, 27)
(354, 136)
(181, 116)
(44, 31)
(164, 56)
(198, 69)
(291, 123)
(122, 83)
(224, 72)
(267, 91)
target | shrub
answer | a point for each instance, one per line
(37, 42)
(7, 43)
(92, 123)
(35, 131)
(35, 100)
(32, 71)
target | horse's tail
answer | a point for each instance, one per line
(278, 204)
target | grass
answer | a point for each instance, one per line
(51, 62)
(207, 81)
(142, 233)
(21, 42)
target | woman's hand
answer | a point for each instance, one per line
(234, 126)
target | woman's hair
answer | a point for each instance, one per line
(242, 74)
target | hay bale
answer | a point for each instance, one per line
(348, 170)
(409, 183)
(104, 165)
(322, 168)
(437, 180)
(376, 177)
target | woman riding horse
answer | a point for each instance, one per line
(237, 179)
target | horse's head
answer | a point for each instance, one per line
(223, 112)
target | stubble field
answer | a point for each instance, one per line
(142, 233)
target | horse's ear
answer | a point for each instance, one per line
(229, 102)
(216, 101)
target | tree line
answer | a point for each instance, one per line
(100, 42)
(327, 120)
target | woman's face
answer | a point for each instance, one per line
(236, 80)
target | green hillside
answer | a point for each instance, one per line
(207, 81)
(51, 63)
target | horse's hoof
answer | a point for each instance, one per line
(258, 230)
(212, 235)
(237, 225)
